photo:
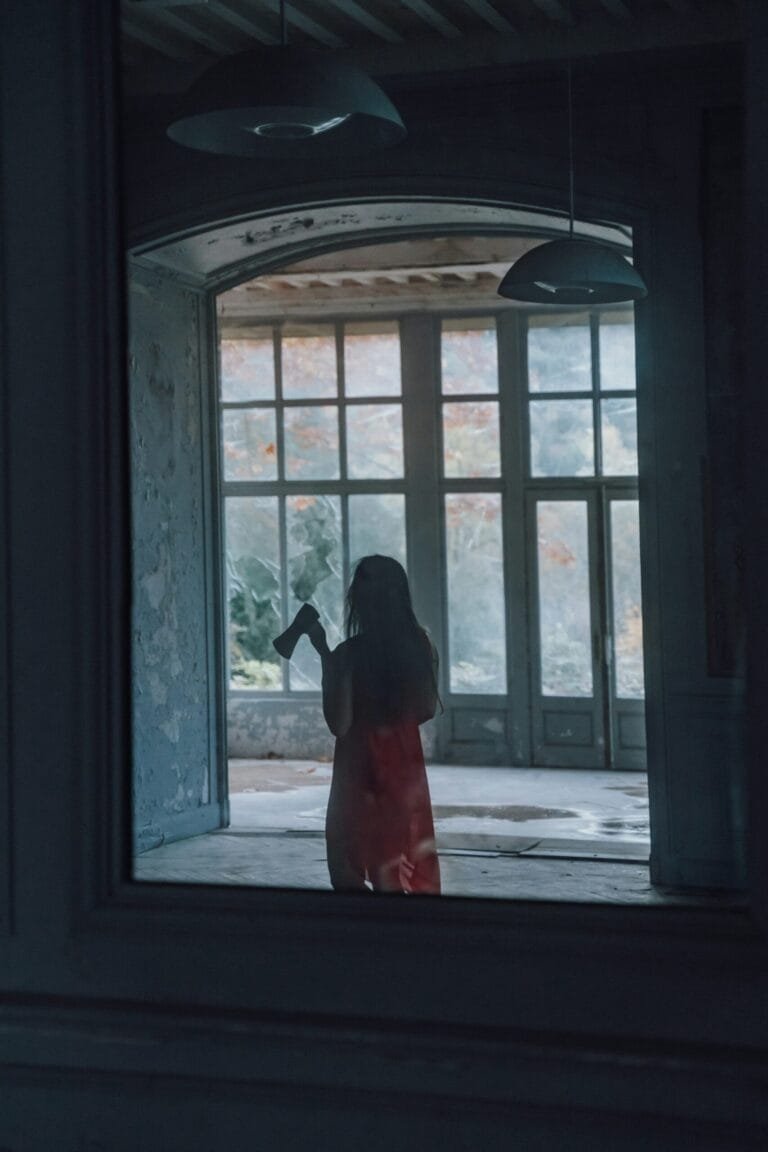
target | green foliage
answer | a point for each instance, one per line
(256, 674)
(254, 612)
(315, 528)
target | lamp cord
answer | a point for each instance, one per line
(283, 25)
(570, 146)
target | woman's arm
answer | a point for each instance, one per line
(337, 681)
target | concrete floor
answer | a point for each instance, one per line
(510, 833)
(504, 833)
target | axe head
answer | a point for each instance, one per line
(302, 622)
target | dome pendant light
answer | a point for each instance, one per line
(286, 103)
(572, 271)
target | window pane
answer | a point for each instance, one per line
(559, 354)
(627, 602)
(313, 525)
(374, 441)
(309, 362)
(312, 442)
(562, 440)
(248, 441)
(471, 438)
(475, 568)
(253, 591)
(377, 524)
(372, 359)
(564, 612)
(619, 432)
(247, 368)
(468, 361)
(617, 352)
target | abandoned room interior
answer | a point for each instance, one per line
(269, 353)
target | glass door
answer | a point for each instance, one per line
(625, 631)
(582, 540)
(585, 614)
(567, 645)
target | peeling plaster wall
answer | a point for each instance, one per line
(296, 730)
(174, 785)
(264, 728)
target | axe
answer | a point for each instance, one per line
(302, 622)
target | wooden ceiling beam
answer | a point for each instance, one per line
(617, 8)
(681, 7)
(603, 33)
(142, 35)
(593, 36)
(304, 24)
(242, 23)
(292, 281)
(432, 17)
(367, 20)
(208, 40)
(488, 13)
(361, 302)
(556, 10)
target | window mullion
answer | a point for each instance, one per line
(594, 323)
(420, 349)
(277, 336)
(343, 470)
(513, 394)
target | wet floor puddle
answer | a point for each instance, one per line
(615, 826)
(519, 813)
(629, 789)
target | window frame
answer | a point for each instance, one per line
(514, 709)
(282, 488)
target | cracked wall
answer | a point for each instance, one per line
(292, 729)
(172, 721)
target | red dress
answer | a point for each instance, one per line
(379, 823)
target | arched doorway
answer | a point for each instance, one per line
(526, 717)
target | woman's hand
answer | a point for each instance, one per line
(318, 639)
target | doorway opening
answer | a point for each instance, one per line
(536, 523)
(385, 399)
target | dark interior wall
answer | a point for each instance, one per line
(508, 129)
(201, 1019)
(754, 470)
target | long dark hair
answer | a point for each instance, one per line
(396, 659)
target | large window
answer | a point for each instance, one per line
(586, 685)
(473, 506)
(514, 433)
(582, 410)
(313, 478)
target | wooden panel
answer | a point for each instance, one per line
(631, 730)
(568, 728)
(479, 724)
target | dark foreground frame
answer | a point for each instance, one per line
(316, 1018)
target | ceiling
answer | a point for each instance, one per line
(166, 43)
(418, 274)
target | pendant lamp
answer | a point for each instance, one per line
(572, 271)
(286, 102)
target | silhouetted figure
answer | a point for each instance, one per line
(379, 685)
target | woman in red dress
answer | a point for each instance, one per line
(379, 685)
